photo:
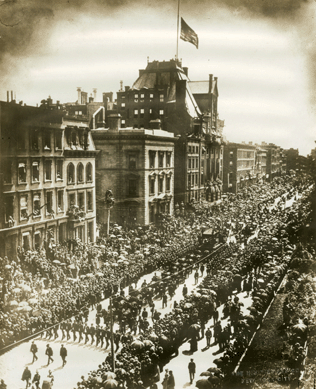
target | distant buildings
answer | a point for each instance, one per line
(239, 166)
(48, 177)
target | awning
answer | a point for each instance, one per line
(21, 164)
(36, 198)
(161, 173)
(212, 188)
(216, 189)
(161, 196)
(152, 174)
(169, 172)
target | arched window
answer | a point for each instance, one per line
(80, 173)
(71, 173)
(89, 172)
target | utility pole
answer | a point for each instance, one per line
(109, 202)
(112, 335)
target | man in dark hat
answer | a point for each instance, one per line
(34, 350)
(49, 353)
(26, 376)
(63, 354)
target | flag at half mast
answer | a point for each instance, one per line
(188, 35)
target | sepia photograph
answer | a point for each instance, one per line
(157, 194)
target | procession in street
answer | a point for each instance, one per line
(156, 297)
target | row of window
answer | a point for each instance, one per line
(245, 164)
(193, 163)
(245, 154)
(71, 173)
(193, 149)
(50, 139)
(161, 181)
(36, 136)
(161, 159)
(193, 179)
(84, 202)
(141, 112)
(141, 97)
(47, 171)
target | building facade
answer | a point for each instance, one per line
(138, 166)
(47, 185)
(274, 160)
(188, 109)
(240, 166)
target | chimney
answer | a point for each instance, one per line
(210, 83)
(114, 122)
(155, 124)
(8, 96)
(12, 96)
(127, 88)
(94, 90)
(79, 95)
(91, 99)
(181, 86)
(185, 69)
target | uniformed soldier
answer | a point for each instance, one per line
(75, 328)
(56, 328)
(68, 328)
(63, 327)
(117, 338)
(80, 330)
(97, 335)
(107, 337)
(92, 333)
(86, 333)
(102, 335)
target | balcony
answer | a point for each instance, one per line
(76, 214)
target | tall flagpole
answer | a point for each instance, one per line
(178, 29)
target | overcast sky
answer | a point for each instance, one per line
(262, 53)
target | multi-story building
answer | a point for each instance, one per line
(47, 185)
(138, 166)
(188, 109)
(291, 160)
(239, 166)
(261, 163)
(274, 160)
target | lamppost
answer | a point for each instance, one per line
(109, 202)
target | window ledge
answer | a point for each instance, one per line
(37, 216)
(36, 182)
(59, 180)
(48, 181)
(22, 183)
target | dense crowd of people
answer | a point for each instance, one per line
(255, 265)
(42, 288)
